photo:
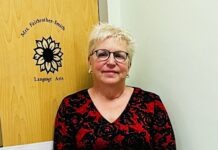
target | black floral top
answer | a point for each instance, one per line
(143, 125)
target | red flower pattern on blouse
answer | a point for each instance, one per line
(143, 125)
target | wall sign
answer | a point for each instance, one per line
(47, 51)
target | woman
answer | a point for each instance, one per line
(111, 115)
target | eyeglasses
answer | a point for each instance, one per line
(104, 54)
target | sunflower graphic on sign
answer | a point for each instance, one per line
(48, 55)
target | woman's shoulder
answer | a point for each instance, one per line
(78, 95)
(139, 90)
(145, 93)
(73, 103)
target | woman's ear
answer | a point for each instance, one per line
(89, 60)
(90, 70)
(89, 65)
(129, 65)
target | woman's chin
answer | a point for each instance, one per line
(112, 80)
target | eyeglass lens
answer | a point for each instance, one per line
(103, 54)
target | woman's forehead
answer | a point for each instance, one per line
(111, 46)
(112, 41)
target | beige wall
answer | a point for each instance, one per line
(176, 57)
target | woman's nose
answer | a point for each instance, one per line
(111, 59)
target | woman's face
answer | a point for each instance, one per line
(109, 71)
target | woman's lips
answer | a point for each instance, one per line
(110, 71)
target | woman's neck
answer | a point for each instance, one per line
(109, 92)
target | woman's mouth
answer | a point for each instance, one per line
(110, 72)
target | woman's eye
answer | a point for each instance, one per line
(102, 54)
(119, 56)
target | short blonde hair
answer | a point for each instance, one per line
(103, 31)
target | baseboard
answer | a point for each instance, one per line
(48, 145)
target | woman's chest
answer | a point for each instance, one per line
(131, 129)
